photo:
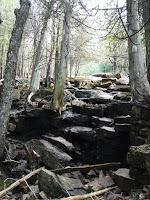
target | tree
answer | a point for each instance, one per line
(140, 87)
(146, 21)
(35, 77)
(60, 77)
(10, 69)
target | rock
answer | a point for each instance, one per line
(75, 118)
(59, 142)
(122, 128)
(80, 133)
(93, 94)
(107, 132)
(11, 127)
(139, 160)
(140, 113)
(118, 108)
(19, 169)
(87, 109)
(101, 121)
(96, 100)
(55, 186)
(42, 93)
(122, 119)
(122, 178)
(101, 182)
(16, 96)
(50, 155)
(32, 123)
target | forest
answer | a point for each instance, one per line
(75, 99)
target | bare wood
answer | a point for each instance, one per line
(18, 182)
(84, 167)
(85, 196)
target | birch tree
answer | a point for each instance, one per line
(10, 69)
(140, 87)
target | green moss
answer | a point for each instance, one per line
(4, 184)
(148, 140)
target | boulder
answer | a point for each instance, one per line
(139, 160)
(55, 186)
(49, 154)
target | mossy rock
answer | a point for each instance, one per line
(140, 113)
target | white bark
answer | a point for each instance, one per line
(140, 87)
(10, 69)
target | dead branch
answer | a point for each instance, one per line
(18, 182)
(84, 167)
(85, 196)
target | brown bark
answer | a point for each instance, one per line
(10, 69)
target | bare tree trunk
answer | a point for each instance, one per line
(140, 87)
(48, 75)
(58, 101)
(35, 77)
(146, 20)
(10, 69)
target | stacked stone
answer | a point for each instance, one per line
(140, 125)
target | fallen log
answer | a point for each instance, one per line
(84, 167)
(18, 182)
(85, 196)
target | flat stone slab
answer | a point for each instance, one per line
(55, 186)
(50, 155)
(59, 142)
(101, 121)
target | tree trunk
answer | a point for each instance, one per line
(58, 101)
(48, 75)
(10, 69)
(140, 87)
(146, 19)
(35, 77)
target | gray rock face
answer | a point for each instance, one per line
(55, 186)
(50, 155)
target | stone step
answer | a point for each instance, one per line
(101, 121)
